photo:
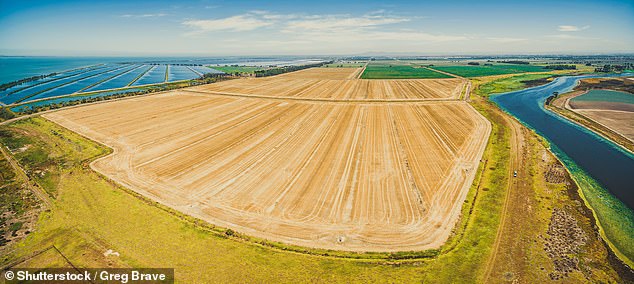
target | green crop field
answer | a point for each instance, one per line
(509, 84)
(481, 70)
(237, 69)
(606, 96)
(388, 71)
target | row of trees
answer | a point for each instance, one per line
(614, 68)
(561, 67)
(208, 79)
(286, 69)
(5, 86)
(6, 113)
(515, 62)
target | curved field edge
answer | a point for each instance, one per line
(614, 220)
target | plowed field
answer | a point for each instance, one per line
(306, 85)
(326, 174)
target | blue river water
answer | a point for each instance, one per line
(607, 163)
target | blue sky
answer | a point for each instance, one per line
(151, 28)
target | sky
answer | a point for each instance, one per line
(220, 28)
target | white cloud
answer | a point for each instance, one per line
(246, 22)
(342, 22)
(143, 15)
(372, 27)
(315, 30)
(570, 37)
(566, 28)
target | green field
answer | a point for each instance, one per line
(481, 70)
(606, 96)
(237, 69)
(385, 70)
(508, 84)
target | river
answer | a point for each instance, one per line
(607, 163)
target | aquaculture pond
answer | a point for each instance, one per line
(155, 75)
(70, 99)
(177, 73)
(81, 84)
(204, 70)
(606, 96)
(27, 93)
(121, 80)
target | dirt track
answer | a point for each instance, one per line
(517, 143)
(354, 176)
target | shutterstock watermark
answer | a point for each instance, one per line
(88, 275)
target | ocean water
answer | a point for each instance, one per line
(13, 68)
(16, 68)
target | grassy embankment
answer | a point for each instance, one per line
(507, 83)
(399, 70)
(92, 215)
(616, 221)
(19, 206)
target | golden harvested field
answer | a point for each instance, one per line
(335, 174)
(324, 73)
(301, 86)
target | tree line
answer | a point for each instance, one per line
(520, 62)
(286, 69)
(613, 68)
(561, 67)
(6, 86)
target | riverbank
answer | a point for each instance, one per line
(605, 161)
(560, 106)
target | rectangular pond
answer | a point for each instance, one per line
(78, 85)
(156, 75)
(177, 73)
(31, 91)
